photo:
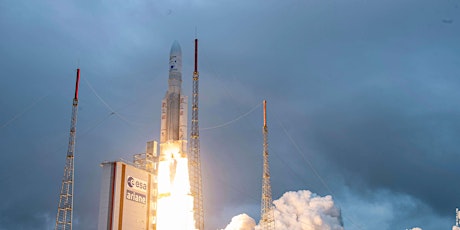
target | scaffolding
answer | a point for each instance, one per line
(148, 161)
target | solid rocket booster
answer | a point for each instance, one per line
(174, 104)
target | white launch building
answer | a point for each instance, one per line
(153, 193)
(128, 198)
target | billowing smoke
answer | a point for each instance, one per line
(296, 211)
(455, 228)
(306, 210)
(241, 222)
(416, 228)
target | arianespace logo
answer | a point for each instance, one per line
(137, 184)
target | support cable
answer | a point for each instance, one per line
(234, 120)
(19, 114)
(313, 168)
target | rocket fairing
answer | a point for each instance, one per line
(174, 104)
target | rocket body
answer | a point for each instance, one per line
(175, 201)
(174, 104)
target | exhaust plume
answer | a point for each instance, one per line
(306, 210)
(241, 222)
(296, 211)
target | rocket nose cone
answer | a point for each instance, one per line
(175, 49)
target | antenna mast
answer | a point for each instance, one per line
(457, 217)
(267, 221)
(65, 208)
(195, 161)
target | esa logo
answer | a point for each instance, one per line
(137, 184)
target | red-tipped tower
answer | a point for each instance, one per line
(64, 214)
(267, 219)
(194, 160)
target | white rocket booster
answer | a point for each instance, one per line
(174, 104)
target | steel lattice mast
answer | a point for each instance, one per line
(194, 159)
(267, 221)
(457, 217)
(65, 208)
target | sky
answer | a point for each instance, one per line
(362, 103)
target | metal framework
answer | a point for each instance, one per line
(65, 208)
(194, 158)
(457, 217)
(267, 221)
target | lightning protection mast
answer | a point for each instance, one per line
(194, 159)
(267, 221)
(457, 217)
(65, 208)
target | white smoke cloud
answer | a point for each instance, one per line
(416, 228)
(241, 222)
(296, 211)
(306, 210)
(455, 228)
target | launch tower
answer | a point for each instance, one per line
(267, 221)
(194, 159)
(65, 208)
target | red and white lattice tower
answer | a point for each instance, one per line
(457, 217)
(194, 158)
(65, 208)
(267, 219)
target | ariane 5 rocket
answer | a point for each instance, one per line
(174, 108)
(174, 196)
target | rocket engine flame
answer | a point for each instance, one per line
(174, 199)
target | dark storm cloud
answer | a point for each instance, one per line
(384, 142)
(367, 91)
(372, 97)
